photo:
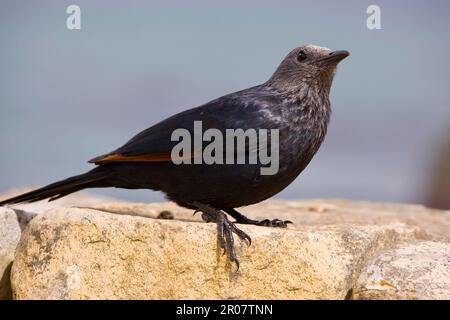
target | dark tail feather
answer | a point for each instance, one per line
(93, 179)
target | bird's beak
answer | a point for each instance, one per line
(335, 57)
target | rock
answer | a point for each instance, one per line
(72, 253)
(319, 212)
(134, 252)
(411, 271)
(438, 180)
(13, 220)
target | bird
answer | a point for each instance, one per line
(294, 101)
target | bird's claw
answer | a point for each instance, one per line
(225, 230)
(277, 223)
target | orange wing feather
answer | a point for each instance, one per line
(152, 157)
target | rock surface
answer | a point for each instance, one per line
(411, 271)
(330, 252)
(14, 220)
(315, 212)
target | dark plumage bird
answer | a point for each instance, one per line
(295, 100)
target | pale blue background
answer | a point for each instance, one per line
(67, 96)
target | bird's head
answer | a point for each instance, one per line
(307, 66)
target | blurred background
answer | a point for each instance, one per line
(69, 95)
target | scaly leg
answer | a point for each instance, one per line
(225, 229)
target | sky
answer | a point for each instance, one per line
(67, 96)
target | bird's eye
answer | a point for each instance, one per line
(301, 55)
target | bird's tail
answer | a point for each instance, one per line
(95, 178)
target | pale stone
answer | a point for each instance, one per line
(435, 224)
(9, 236)
(411, 271)
(82, 253)
(13, 220)
(72, 253)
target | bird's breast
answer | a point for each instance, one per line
(304, 131)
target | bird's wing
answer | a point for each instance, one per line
(244, 110)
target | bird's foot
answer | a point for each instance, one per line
(225, 230)
(276, 223)
(240, 218)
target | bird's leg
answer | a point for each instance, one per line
(225, 229)
(240, 218)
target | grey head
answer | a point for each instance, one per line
(307, 67)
